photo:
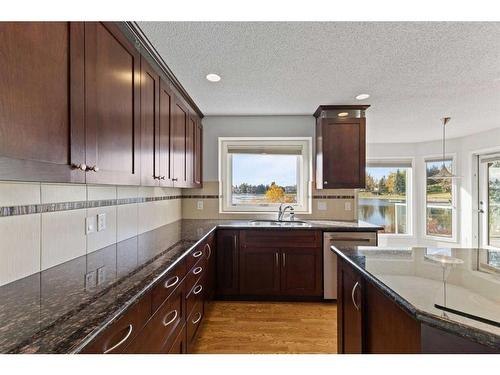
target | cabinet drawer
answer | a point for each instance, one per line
(195, 295)
(203, 250)
(161, 330)
(193, 323)
(283, 238)
(167, 285)
(198, 271)
(115, 338)
(179, 345)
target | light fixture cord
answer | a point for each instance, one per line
(444, 135)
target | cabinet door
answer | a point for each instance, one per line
(198, 154)
(211, 268)
(42, 135)
(190, 149)
(349, 310)
(343, 154)
(165, 135)
(227, 262)
(302, 272)
(112, 87)
(150, 130)
(259, 271)
(179, 131)
(179, 345)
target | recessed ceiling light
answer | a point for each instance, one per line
(362, 96)
(343, 114)
(212, 77)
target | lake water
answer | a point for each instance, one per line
(385, 213)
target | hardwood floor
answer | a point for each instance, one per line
(268, 327)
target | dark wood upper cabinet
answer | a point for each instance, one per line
(150, 125)
(259, 271)
(340, 147)
(41, 101)
(165, 141)
(190, 134)
(302, 271)
(112, 86)
(178, 143)
(198, 154)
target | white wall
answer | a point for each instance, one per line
(248, 126)
(463, 149)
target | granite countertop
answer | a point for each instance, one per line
(468, 304)
(53, 312)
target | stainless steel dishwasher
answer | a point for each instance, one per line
(330, 259)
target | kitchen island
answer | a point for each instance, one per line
(417, 300)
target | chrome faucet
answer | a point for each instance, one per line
(282, 211)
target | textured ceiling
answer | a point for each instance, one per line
(415, 72)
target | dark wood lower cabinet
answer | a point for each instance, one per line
(259, 271)
(227, 263)
(302, 271)
(370, 322)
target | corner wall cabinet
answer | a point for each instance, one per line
(80, 104)
(340, 146)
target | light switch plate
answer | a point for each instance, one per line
(89, 225)
(90, 280)
(199, 205)
(101, 275)
(322, 206)
(101, 222)
(347, 206)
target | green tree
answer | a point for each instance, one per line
(400, 185)
(382, 186)
(370, 183)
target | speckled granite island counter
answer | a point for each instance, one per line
(54, 312)
(452, 293)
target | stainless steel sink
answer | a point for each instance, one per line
(283, 223)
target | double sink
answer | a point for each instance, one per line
(281, 223)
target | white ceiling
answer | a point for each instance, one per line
(415, 72)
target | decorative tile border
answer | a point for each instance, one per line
(212, 196)
(333, 196)
(67, 206)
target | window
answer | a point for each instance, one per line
(259, 174)
(439, 201)
(386, 201)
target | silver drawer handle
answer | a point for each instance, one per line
(198, 289)
(171, 282)
(350, 239)
(207, 246)
(198, 254)
(119, 343)
(197, 319)
(166, 323)
(352, 295)
(197, 270)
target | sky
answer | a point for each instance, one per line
(264, 169)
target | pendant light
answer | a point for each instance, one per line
(444, 173)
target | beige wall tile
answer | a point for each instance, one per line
(98, 240)
(126, 221)
(19, 247)
(145, 219)
(146, 191)
(100, 192)
(63, 237)
(127, 192)
(53, 193)
(19, 193)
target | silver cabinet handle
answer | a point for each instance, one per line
(197, 270)
(198, 254)
(171, 282)
(235, 242)
(194, 321)
(162, 177)
(207, 246)
(325, 182)
(119, 343)
(174, 179)
(94, 168)
(198, 289)
(82, 167)
(284, 260)
(165, 322)
(352, 295)
(276, 259)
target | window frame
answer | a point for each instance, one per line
(454, 199)
(225, 173)
(409, 194)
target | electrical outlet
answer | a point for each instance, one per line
(347, 206)
(89, 225)
(101, 222)
(322, 206)
(199, 205)
(101, 275)
(90, 280)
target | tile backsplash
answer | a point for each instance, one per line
(37, 234)
(43, 225)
